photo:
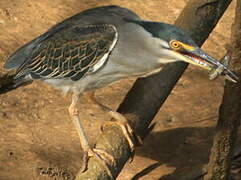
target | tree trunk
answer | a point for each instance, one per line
(229, 112)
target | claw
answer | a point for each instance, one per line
(121, 121)
(85, 160)
(127, 130)
(102, 156)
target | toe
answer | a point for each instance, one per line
(105, 156)
(85, 162)
(105, 159)
(102, 156)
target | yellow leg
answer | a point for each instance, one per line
(101, 155)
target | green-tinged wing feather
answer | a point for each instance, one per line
(71, 53)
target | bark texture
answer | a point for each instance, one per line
(229, 112)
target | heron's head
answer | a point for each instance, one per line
(176, 45)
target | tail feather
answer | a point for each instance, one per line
(9, 82)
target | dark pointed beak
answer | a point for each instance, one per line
(197, 57)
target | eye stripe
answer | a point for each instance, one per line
(177, 45)
(187, 47)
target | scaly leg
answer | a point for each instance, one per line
(101, 155)
(121, 120)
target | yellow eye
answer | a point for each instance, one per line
(175, 45)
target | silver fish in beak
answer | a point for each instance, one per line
(222, 71)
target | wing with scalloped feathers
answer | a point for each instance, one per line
(71, 53)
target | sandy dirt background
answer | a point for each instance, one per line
(37, 138)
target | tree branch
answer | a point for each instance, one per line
(229, 112)
(148, 94)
